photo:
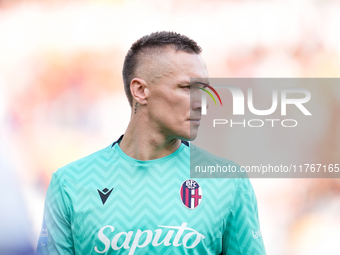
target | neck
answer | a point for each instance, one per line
(142, 141)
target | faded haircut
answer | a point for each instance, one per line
(155, 40)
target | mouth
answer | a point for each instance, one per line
(195, 121)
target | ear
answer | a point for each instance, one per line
(139, 90)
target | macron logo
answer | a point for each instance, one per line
(104, 194)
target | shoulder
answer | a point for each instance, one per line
(199, 153)
(82, 167)
(207, 165)
(218, 174)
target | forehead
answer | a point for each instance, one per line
(186, 64)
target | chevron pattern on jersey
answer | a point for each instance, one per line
(144, 213)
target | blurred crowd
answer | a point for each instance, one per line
(62, 98)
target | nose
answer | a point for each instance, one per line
(198, 100)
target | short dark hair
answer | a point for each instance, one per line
(154, 41)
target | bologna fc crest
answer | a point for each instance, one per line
(191, 193)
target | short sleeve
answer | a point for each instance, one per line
(56, 234)
(243, 234)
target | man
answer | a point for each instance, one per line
(136, 196)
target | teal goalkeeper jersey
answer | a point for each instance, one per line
(110, 203)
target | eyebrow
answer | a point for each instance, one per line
(184, 83)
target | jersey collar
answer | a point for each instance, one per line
(121, 137)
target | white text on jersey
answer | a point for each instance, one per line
(150, 237)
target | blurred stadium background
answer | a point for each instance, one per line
(62, 97)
